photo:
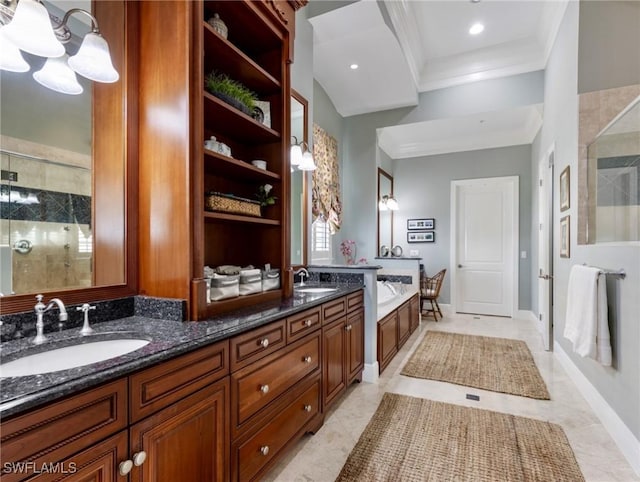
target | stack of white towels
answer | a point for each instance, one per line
(587, 320)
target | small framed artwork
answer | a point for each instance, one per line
(564, 189)
(417, 224)
(262, 112)
(565, 237)
(421, 237)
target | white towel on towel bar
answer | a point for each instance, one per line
(586, 321)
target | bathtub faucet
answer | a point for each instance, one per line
(303, 274)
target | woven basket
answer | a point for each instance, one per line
(227, 203)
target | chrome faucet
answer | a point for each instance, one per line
(303, 274)
(41, 309)
(86, 329)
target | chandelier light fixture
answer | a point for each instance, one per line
(27, 26)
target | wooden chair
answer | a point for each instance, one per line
(430, 291)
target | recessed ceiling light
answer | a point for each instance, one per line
(353, 66)
(476, 28)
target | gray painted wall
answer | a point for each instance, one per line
(423, 185)
(618, 385)
(609, 35)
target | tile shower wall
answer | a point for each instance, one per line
(58, 225)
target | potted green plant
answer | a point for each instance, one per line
(231, 91)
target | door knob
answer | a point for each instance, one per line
(459, 266)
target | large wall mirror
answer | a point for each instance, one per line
(385, 217)
(65, 175)
(614, 179)
(299, 130)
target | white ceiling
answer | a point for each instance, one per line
(425, 45)
(510, 127)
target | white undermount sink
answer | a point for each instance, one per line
(315, 290)
(67, 357)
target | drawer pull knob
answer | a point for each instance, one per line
(308, 323)
(264, 450)
(264, 388)
(264, 343)
(125, 467)
(348, 327)
(307, 408)
(139, 458)
(307, 359)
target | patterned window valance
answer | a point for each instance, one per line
(325, 193)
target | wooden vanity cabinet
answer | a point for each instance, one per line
(187, 441)
(342, 346)
(176, 412)
(414, 304)
(395, 329)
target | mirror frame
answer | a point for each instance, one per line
(383, 173)
(305, 189)
(124, 99)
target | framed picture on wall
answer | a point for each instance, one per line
(417, 224)
(565, 237)
(421, 237)
(565, 179)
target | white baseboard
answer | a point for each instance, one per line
(628, 444)
(371, 372)
(446, 308)
(526, 315)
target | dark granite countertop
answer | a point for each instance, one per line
(167, 340)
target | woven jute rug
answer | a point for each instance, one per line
(496, 364)
(412, 439)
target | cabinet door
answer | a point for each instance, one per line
(334, 374)
(415, 312)
(98, 463)
(187, 441)
(354, 331)
(387, 339)
(404, 324)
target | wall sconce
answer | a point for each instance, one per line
(388, 203)
(29, 27)
(301, 156)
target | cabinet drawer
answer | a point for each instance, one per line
(252, 455)
(158, 387)
(334, 309)
(255, 387)
(302, 324)
(355, 301)
(252, 346)
(64, 428)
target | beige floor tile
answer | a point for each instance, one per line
(319, 457)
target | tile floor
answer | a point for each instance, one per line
(320, 457)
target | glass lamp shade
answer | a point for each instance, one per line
(296, 155)
(56, 75)
(307, 163)
(93, 60)
(392, 204)
(10, 57)
(382, 204)
(30, 30)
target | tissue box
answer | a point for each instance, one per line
(223, 287)
(250, 282)
(271, 280)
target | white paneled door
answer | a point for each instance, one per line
(545, 249)
(485, 251)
